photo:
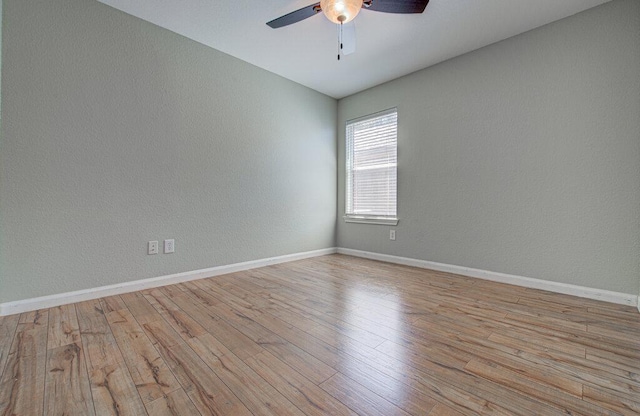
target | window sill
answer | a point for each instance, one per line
(376, 221)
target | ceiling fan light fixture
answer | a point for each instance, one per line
(341, 11)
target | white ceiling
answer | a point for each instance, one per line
(388, 45)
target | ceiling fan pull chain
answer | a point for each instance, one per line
(339, 41)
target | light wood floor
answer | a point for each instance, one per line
(333, 335)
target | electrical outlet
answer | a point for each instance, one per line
(153, 247)
(169, 246)
(392, 235)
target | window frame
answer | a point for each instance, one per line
(367, 219)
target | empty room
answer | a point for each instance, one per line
(347, 207)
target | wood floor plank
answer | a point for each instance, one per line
(443, 410)
(554, 373)
(112, 389)
(149, 372)
(321, 325)
(22, 384)
(176, 403)
(260, 397)
(310, 398)
(610, 400)
(584, 339)
(63, 326)
(299, 359)
(542, 375)
(572, 301)
(545, 341)
(389, 384)
(67, 388)
(139, 307)
(240, 344)
(626, 315)
(113, 303)
(161, 332)
(626, 333)
(32, 328)
(8, 325)
(205, 389)
(510, 379)
(454, 387)
(614, 360)
(186, 326)
(297, 328)
(358, 398)
(580, 369)
(437, 352)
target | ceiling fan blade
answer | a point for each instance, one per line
(397, 6)
(295, 17)
(349, 38)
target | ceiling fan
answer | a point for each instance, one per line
(344, 11)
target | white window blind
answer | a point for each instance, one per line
(372, 166)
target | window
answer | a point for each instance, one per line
(372, 168)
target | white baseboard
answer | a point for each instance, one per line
(567, 289)
(26, 305)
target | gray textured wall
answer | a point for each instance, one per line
(117, 132)
(522, 157)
